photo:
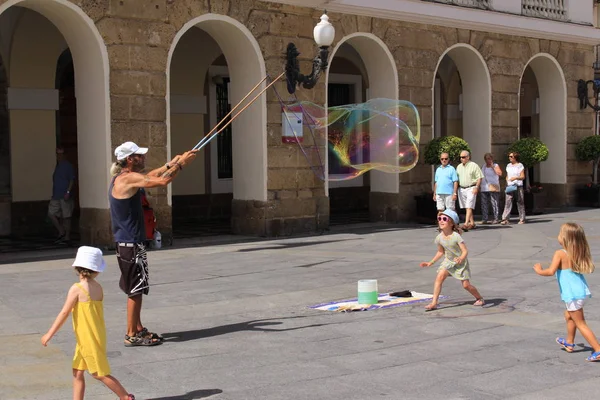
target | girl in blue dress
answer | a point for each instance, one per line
(569, 264)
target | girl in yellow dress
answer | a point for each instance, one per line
(84, 300)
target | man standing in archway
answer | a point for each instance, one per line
(127, 219)
(60, 209)
(469, 180)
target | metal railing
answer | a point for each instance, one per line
(549, 9)
(485, 4)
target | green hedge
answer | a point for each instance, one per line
(531, 151)
(452, 145)
(588, 149)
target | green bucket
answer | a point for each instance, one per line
(367, 291)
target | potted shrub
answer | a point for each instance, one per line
(453, 145)
(589, 150)
(532, 151)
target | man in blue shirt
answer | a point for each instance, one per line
(60, 209)
(445, 187)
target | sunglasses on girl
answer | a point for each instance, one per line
(443, 218)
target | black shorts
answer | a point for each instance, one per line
(133, 263)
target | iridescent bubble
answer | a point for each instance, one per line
(381, 135)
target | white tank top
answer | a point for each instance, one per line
(489, 176)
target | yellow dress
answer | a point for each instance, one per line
(90, 332)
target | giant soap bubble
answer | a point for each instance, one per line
(381, 135)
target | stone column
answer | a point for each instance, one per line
(296, 194)
(138, 41)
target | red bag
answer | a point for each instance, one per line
(149, 218)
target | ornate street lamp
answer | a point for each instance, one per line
(324, 34)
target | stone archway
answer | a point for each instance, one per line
(468, 81)
(377, 69)
(232, 43)
(246, 69)
(32, 93)
(549, 105)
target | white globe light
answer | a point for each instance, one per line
(324, 32)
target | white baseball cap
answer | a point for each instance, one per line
(127, 149)
(89, 258)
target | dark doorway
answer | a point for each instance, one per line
(347, 204)
(66, 122)
(5, 186)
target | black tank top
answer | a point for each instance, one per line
(127, 217)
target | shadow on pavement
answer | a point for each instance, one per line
(259, 325)
(489, 303)
(196, 394)
(283, 246)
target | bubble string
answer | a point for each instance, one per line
(309, 122)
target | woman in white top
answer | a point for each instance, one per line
(490, 188)
(515, 175)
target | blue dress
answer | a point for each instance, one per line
(572, 285)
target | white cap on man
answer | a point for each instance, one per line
(127, 149)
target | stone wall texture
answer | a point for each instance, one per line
(139, 33)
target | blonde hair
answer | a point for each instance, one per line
(117, 166)
(575, 243)
(85, 273)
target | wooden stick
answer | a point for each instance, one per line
(232, 110)
(241, 111)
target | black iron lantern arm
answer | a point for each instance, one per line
(324, 34)
(292, 68)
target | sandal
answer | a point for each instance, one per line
(479, 302)
(504, 222)
(594, 357)
(154, 336)
(568, 347)
(431, 307)
(138, 340)
(130, 397)
(521, 222)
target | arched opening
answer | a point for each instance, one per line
(543, 115)
(462, 99)
(213, 63)
(361, 68)
(40, 74)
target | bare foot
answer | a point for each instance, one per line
(431, 307)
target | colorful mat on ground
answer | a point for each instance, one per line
(384, 300)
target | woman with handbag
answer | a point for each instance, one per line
(515, 175)
(490, 189)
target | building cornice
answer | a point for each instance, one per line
(423, 12)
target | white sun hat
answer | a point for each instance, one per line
(90, 258)
(127, 149)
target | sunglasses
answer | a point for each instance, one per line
(464, 156)
(511, 156)
(443, 218)
(443, 159)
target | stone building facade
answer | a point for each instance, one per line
(139, 76)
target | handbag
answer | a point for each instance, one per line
(510, 189)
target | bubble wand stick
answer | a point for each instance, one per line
(232, 110)
(206, 139)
